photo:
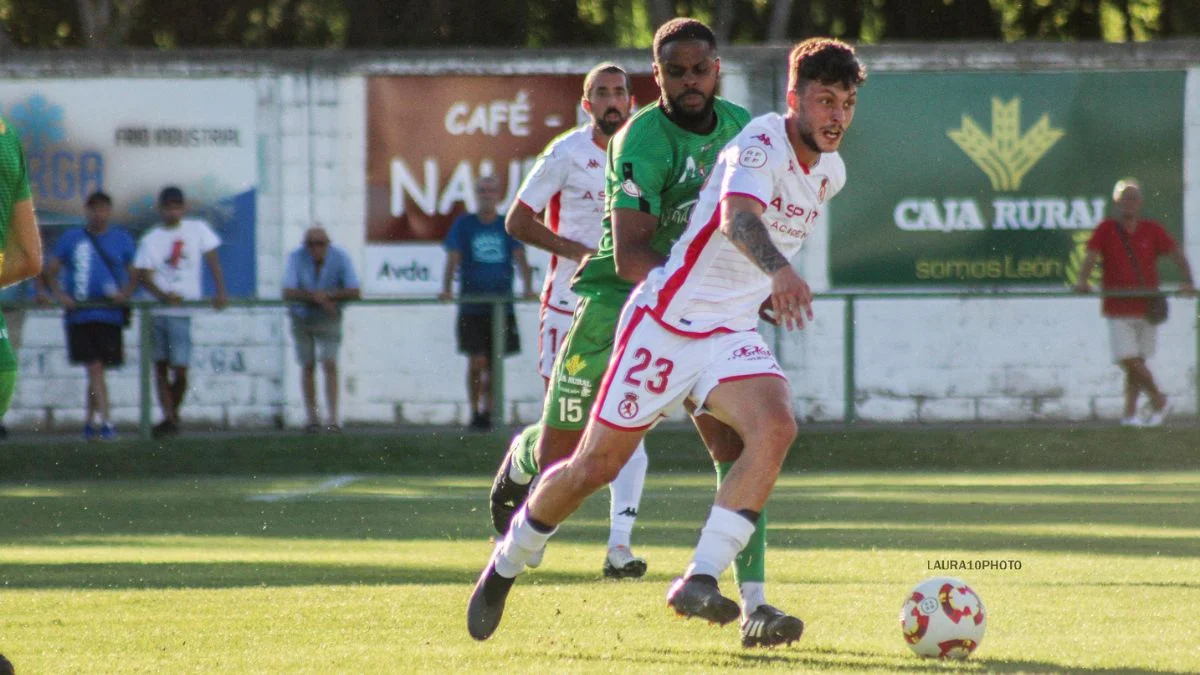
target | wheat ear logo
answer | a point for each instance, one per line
(1006, 155)
(574, 365)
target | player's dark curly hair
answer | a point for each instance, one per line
(682, 29)
(604, 68)
(824, 60)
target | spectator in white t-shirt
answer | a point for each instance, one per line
(168, 265)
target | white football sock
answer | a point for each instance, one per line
(519, 545)
(754, 594)
(626, 496)
(723, 537)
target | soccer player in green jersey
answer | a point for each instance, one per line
(656, 166)
(20, 241)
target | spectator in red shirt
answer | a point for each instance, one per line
(1132, 337)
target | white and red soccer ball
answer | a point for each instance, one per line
(943, 618)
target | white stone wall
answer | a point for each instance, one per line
(995, 359)
(928, 360)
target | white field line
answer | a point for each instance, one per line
(322, 487)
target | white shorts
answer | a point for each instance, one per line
(554, 326)
(653, 369)
(1131, 338)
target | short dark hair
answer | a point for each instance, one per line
(824, 60)
(98, 197)
(169, 195)
(6, 666)
(601, 69)
(682, 29)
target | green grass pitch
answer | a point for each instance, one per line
(362, 572)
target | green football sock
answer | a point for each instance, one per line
(751, 564)
(525, 457)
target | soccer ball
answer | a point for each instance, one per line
(943, 618)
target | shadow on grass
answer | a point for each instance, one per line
(123, 576)
(669, 518)
(802, 659)
(250, 574)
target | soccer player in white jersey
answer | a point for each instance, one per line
(567, 186)
(689, 332)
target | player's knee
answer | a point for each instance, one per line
(776, 433)
(598, 470)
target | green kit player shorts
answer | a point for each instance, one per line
(580, 364)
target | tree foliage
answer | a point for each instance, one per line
(398, 24)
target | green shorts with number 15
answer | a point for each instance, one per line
(580, 364)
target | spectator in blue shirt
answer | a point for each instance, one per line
(479, 248)
(94, 264)
(320, 277)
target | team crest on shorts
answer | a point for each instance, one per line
(628, 408)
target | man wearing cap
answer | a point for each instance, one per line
(168, 265)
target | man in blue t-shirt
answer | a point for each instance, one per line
(319, 278)
(479, 248)
(89, 265)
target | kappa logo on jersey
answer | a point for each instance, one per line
(753, 157)
(574, 364)
(628, 408)
(593, 164)
(752, 353)
(630, 188)
(176, 256)
(764, 139)
(692, 170)
(791, 166)
(821, 192)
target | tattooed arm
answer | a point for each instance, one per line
(748, 233)
(791, 298)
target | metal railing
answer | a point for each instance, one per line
(145, 309)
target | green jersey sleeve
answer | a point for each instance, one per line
(14, 178)
(636, 172)
(15, 170)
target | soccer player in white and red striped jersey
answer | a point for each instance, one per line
(689, 332)
(566, 188)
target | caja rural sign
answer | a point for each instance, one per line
(996, 180)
